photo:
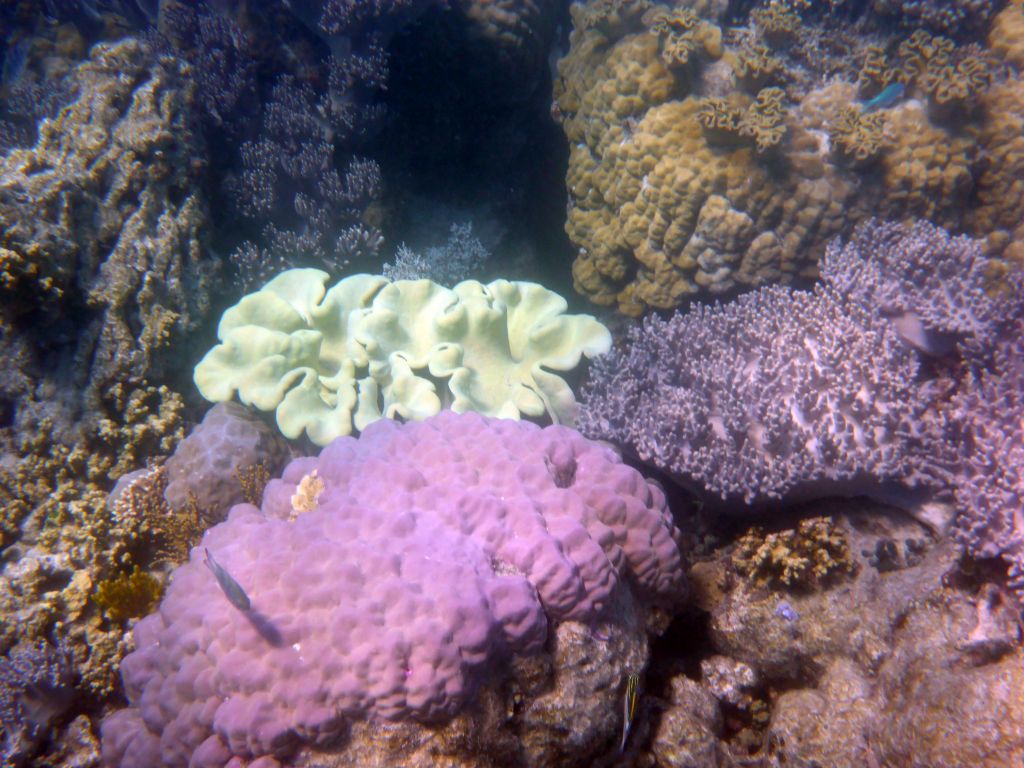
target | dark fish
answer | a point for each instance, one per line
(891, 94)
(232, 589)
(15, 61)
(629, 707)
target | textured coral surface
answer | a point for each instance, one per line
(434, 550)
(734, 171)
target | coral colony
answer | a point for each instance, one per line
(501, 382)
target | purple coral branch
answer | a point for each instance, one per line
(783, 391)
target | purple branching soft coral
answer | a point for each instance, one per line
(990, 485)
(223, 68)
(291, 175)
(783, 391)
(778, 392)
(929, 284)
(386, 579)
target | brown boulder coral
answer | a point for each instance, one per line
(689, 180)
(674, 197)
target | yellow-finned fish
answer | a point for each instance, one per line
(629, 702)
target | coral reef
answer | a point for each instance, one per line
(641, 175)
(330, 361)
(684, 38)
(857, 138)
(777, 393)
(540, 529)
(62, 538)
(932, 287)
(650, 161)
(910, 666)
(128, 596)
(461, 258)
(990, 487)
(756, 67)
(103, 213)
(784, 392)
(951, 17)
(103, 275)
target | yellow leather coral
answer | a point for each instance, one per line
(330, 361)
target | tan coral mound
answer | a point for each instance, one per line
(667, 204)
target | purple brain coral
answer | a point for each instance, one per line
(385, 577)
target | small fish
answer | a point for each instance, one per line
(891, 94)
(629, 702)
(232, 589)
(15, 61)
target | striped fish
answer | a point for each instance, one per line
(629, 702)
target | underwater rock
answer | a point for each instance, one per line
(910, 666)
(689, 731)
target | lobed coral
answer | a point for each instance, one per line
(332, 360)
(651, 163)
(353, 615)
(927, 170)
(857, 138)
(640, 173)
(205, 468)
(1006, 35)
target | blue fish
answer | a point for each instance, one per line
(889, 96)
(232, 589)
